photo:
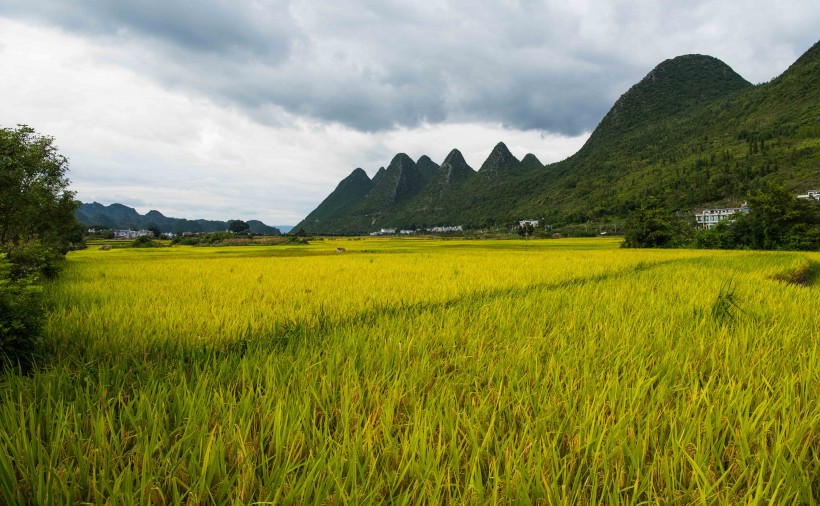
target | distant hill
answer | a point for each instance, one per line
(118, 216)
(691, 133)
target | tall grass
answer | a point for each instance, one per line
(538, 372)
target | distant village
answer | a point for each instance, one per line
(392, 231)
(706, 218)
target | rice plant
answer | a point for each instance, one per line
(544, 372)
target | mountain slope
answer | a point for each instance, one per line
(717, 149)
(437, 200)
(339, 204)
(692, 133)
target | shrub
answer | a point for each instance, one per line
(651, 226)
(21, 317)
(32, 259)
(145, 241)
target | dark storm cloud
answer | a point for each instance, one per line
(378, 64)
(209, 26)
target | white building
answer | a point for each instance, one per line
(708, 218)
(456, 228)
(384, 231)
(131, 234)
(528, 223)
(811, 194)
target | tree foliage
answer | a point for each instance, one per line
(238, 227)
(21, 317)
(37, 228)
(652, 226)
(35, 203)
(776, 220)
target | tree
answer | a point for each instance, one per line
(238, 227)
(651, 226)
(37, 227)
(776, 220)
(35, 203)
(21, 317)
(526, 230)
(153, 228)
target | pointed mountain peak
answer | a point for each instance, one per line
(455, 162)
(501, 149)
(399, 181)
(673, 87)
(357, 179)
(358, 174)
(689, 79)
(427, 167)
(454, 158)
(454, 168)
(500, 159)
(400, 160)
(379, 175)
(356, 182)
(530, 160)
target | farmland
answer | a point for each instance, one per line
(421, 371)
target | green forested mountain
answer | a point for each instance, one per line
(691, 133)
(118, 216)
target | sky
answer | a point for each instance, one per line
(256, 109)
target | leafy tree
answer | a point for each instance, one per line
(526, 230)
(238, 227)
(37, 228)
(776, 220)
(35, 203)
(779, 220)
(153, 228)
(651, 226)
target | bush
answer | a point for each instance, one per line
(32, 259)
(145, 241)
(651, 226)
(21, 317)
(776, 220)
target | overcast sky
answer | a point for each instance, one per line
(255, 109)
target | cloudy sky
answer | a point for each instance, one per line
(255, 109)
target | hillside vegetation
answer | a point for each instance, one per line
(691, 133)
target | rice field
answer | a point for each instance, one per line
(413, 371)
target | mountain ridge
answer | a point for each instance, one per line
(119, 216)
(691, 133)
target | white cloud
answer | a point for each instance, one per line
(134, 142)
(256, 109)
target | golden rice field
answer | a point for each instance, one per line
(422, 372)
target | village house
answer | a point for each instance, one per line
(384, 231)
(811, 194)
(455, 228)
(528, 223)
(708, 218)
(132, 234)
